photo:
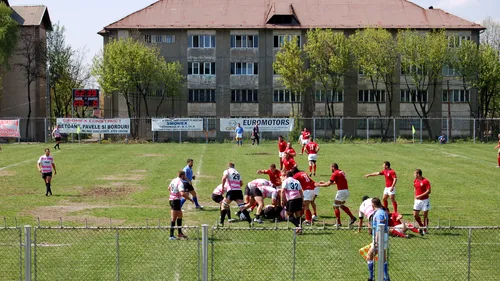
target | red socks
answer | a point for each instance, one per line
(337, 215)
(395, 206)
(412, 228)
(397, 233)
(347, 211)
(315, 167)
(308, 216)
(385, 203)
(310, 169)
(419, 221)
(498, 161)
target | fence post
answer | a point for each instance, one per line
(448, 130)
(204, 252)
(381, 251)
(394, 128)
(117, 255)
(27, 252)
(314, 128)
(45, 128)
(294, 253)
(421, 130)
(474, 132)
(180, 137)
(469, 253)
(367, 130)
(341, 129)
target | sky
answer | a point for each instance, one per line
(84, 18)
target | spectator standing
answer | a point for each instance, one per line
(256, 134)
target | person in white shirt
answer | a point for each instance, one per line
(292, 197)
(231, 181)
(45, 166)
(56, 134)
(177, 191)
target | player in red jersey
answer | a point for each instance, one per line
(390, 184)
(289, 151)
(282, 145)
(308, 186)
(498, 147)
(274, 175)
(304, 139)
(422, 203)
(338, 178)
(312, 150)
(398, 227)
(288, 163)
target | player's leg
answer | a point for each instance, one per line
(498, 158)
(307, 211)
(174, 205)
(48, 181)
(313, 204)
(244, 211)
(369, 260)
(314, 168)
(426, 220)
(260, 205)
(224, 209)
(195, 199)
(393, 200)
(179, 224)
(310, 168)
(384, 198)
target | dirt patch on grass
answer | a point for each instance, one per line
(62, 212)
(139, 171)
(113, 190)
(128, 177)
(154, 155)
(259, 153)
(4, 173)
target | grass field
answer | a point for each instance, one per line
(128, 184)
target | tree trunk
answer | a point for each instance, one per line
(29, 112)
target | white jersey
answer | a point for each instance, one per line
(218, 190)
(56, 133)
(46, 162)
(257, 183)
(268, 191)
(233, 179)
(175, 188)
(366, 209)
(292, 188)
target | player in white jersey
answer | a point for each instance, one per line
(176, 189)
(218, 196)
(231, 181)
(366, 210)
(56, 134)
(254, 194)
(292, 198)
(45, 166)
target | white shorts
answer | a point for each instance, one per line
(304, 142)
(312, 157)
(309, 195)
(399, 227)
(316, 191)
(239, 136)
(387, 191)
(342, 195)
(281, 154)
(422, 205)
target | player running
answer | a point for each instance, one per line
(176, 186)
(422, 202)
(231, 181)
(56, 134)
(338, 178)
(312, 150)
(498, 154)
(282, 145)
(308, 186)
(217, 197)
(292, 197)
(274, 175)
(390, 184)
(304, 139)
(188, 184)
(45, 166)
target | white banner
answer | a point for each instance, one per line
(265, 124)
(10, 128)
(94, 126)
(176, 124)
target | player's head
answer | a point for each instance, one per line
(310, 138)
(334, 166)
(289, 174)
(418, 173)
(272, 167)
(387, 164)
(230, 165)
(238, 124)
(498, 136)
(364, 198)
(181, 174)
(295, 170)
(289, 144)
(190, 162)
(280, 138)
(305, 129)
(47, 151)
(376, 203)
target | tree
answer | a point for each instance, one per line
(491, 36)
(375, 53)
(328, 54)
(423, 57)
(171, 81)
(8, 36)
(32, 52)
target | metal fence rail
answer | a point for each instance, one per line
(11, 253)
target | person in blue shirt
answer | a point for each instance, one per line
(188, 184)
(442, 139)
(380, 216)
(239, 134)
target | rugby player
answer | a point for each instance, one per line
(422, 202)
(390, 184)
(292, 197)
(312, 150)
(304, 139)
(308, 190)
(176, 186)
(56, 134)
(188, 184)
(274, 175)
(282, 145)
(45, 166)
(231, 181)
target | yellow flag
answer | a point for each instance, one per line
(412, 129)
(78, 130)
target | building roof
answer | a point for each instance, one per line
(255, 14)
(32, 16)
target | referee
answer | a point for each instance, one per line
(188, 184)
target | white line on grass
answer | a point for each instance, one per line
(200, 163)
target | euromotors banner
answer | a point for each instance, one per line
(265, 124)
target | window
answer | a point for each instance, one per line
(170, 39)
(449, 71)
(244, 68)
(456, 96)
(455, 40)
(201, 68)
(147, 38)
(201, 41)
(374, 124)
(329, 96)
(419, 70)
(244, 96)
(286, 96)
(279, 40)
(371, 96)
(244, 41)
(201, 95)
(159, 39)
(412, 96)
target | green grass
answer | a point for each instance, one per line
(128, 184)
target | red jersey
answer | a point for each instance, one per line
(305, 135)
(393, 219)
(339, 178)
(289, 164)
(422, 186)
(305, 181)
(275, 177)
(282, 146)
(311, 148)
(290, 151)
(389, 175)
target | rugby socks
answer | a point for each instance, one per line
(371, 270)
(412, 228)
(397, 233)
(308, 215)
(172, 225)
(419, 221)
(183, 200)
(302, 152)
(337, 215)
(310, 169)
(228, 212)
(385, 203)
(47, 189)
(294, 220)
(395, 206)
(314, 208)
(247, 215)
(498, 161)
(347, 211)
(386, 271)
(223, 216)
(179, 224)
(314, 169)
(195, 199)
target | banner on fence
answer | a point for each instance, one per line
(10, 128)
(265, 124)
(176, 124)
(94, 126)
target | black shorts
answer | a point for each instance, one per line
(58, 139)
(44, 175)
(312, 161)
(247, 191)
(294, 205)
(234, 195)
(188, 187)
(217, 198)
(175, 205)
(255, 192)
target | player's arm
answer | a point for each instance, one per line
(360, 225)
(39, 165)
(282, 196)
(317, 149)
(261, 172)
(324, 184)
(394, 181)
(427, 192)
(498, 146)
(372, 174)
(224, 178)
(54, 167)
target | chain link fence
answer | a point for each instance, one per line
(11, 253)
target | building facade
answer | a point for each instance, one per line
(228, 48)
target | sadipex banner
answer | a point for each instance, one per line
(10, 128)
(94, 126)
(265, 124)
(176, 124)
